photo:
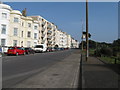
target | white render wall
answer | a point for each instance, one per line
(5, 9)
(15, 14)
(36, 23)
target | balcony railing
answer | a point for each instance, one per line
(49, 42)
(49, 37)
(43, 29)
(54, 38)
(43, 41)
(54, 34)
(43, 23)
(43, 35)
(49, 26)
(49, 32)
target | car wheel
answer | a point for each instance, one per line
(16, 54)
(24, 53)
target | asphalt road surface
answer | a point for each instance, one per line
(16, 69)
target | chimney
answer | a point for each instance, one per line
(1, 2)
(24, 12)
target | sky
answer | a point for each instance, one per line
(69, 16)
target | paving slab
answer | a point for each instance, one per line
(97, 74)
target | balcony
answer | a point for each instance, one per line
(49, 37)
(54, 38)
(49, 32)
(43, 23)
(43, 35)
(43, 29)
(43, 41)
(49, 26)
(54, 34)
(49, 42)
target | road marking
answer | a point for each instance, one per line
(75, 80)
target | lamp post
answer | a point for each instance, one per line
(82, 43)
(87, 42)
(82, 36)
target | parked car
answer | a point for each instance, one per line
(0, 51)
(58, 49)
(65, 48)
(16, 51)
(0, 54)
(61, 48)
(49, 49)
(53, 49)
(40, 48)
(29, 50)
(4, 49)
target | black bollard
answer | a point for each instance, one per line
(115, 60)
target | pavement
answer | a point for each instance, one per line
(61, 74)
(97, 74)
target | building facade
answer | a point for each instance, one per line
(4, 24)
(28, 31)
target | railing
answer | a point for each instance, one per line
(43, 29)
(43, 35)
(54, 34)
(49, 37)
(49, 26)
(49, 32)
(49, 42)
(43, 23)
(116, 59)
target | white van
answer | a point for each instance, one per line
(40, 48)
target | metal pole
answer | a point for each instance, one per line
(87, 42)
(82, 36)
(82, 44)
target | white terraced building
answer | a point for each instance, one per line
(28, 31)
(4, 24)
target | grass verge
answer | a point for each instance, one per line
(110, 60)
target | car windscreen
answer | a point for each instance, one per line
(26, 48)
(38, 46)
(20, 48)
(11, 48)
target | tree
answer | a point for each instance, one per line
(116, 47)
(92, 44)
(106, 51)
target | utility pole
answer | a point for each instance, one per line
(87, 42)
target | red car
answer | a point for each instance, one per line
(29, 50)
(16, 51)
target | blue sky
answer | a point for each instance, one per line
(68, 16)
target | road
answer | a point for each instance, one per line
(17, 69)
